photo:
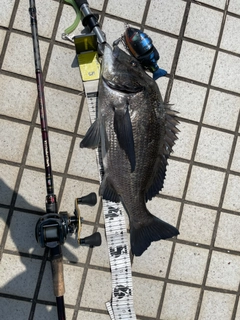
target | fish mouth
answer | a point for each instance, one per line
(121, 87)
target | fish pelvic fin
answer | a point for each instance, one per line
(92, 137)
(107, 191)
(142, 237)
(123, 130)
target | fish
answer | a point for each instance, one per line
(136, 132)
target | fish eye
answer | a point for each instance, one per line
(133, 63)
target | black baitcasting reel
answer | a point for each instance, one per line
(52, 228)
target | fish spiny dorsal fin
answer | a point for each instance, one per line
(171, 121)
(123, 130)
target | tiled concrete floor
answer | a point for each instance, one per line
(194, 277)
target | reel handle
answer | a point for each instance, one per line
(94, 240)
(89, 200)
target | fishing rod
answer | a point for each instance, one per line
(91, 20)
(52, 228)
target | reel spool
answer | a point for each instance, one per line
(52, 229)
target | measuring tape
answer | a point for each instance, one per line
(121, 305)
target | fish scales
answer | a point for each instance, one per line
(137, 132)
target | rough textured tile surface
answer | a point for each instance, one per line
(97, 290)
(224, 272)
(231, 199)
(172, 185)
(13, 136)
(59, 145)
(199, 64)
(229, 40)
(157, 262)
(222, 110)
(153, 294)
(214, 147)
(234, 6)
(215, 3)
(199, 16)
(19, 309)
(180, 302)
(32, 190)
(2, 38)
(188, 99)
(192, 276)
(236, 158)
(46, 11)
(171, 22)
(63, 69)
(227, 73)
(197, 224)
(205, 186)
(186, 138)
(19, 278)
(13, 97)
(227, 234)
(63, 104)
(18, 238)
(188, 264)
(216, 306)
(5, 15)
(20, 53)
(133, 13)
(7, 182)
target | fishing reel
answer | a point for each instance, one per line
(140, 46)
(52, 228)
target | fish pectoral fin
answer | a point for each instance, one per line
(123, 130)
(142, 237)
(92, 137)
(107, 191)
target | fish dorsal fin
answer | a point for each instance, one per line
(171, 130)
(123, 130)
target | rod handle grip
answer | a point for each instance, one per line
(57, 275)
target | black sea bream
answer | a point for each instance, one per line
(137, 132)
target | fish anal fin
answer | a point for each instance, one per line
(142, 237)
(92, 137)
(123, 130)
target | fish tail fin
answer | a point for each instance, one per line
(142, 237)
